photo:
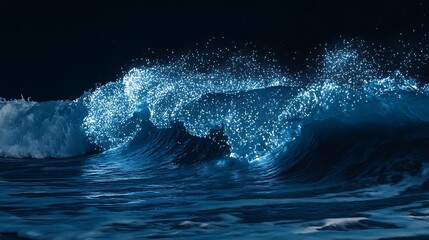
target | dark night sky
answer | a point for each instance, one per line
(58, 49)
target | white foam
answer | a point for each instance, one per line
(332, 222)
(41, 130)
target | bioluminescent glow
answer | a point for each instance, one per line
(259, 106)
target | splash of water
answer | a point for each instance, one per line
(258, 105)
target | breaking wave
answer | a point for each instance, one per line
(229, 104)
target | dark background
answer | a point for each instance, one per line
(58, 49)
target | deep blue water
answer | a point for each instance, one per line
(228, 145)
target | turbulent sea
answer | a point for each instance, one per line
(226, 144)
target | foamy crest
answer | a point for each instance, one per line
(41, 130)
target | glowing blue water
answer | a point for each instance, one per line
(224, 145)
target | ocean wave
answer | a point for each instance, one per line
(231, 104)
(258, 106)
